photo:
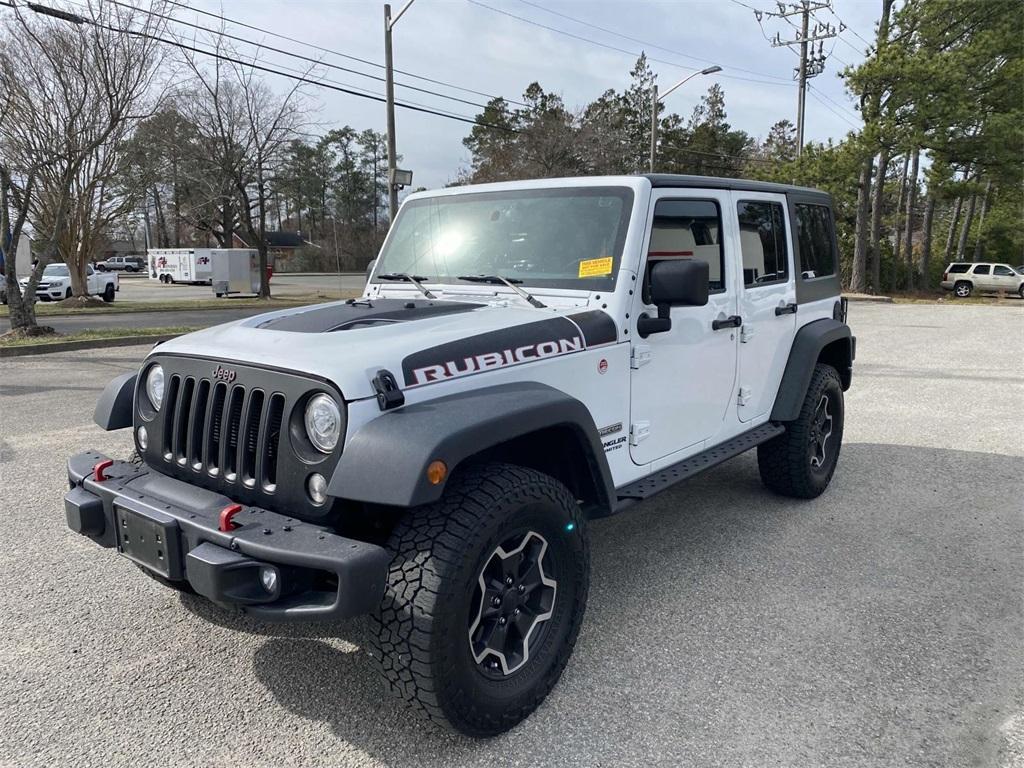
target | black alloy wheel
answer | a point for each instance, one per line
(514, 598)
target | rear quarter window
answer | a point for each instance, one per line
(958, 268)
(817, 241)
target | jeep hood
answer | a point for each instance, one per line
(419, 341)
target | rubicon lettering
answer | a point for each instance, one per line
(488, 360)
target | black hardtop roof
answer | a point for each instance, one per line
(717, 182)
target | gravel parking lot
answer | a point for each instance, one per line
(880, 625)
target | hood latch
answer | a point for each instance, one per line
(388, 393)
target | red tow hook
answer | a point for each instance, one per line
(100, 468)
(225, 517)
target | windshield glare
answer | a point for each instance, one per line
(559, 238)
(55, 270)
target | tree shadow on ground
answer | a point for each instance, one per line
(876, 625)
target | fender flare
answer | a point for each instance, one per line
(385, 462)
(114, 408)
(807, 347)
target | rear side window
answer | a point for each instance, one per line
(689, 229)
(763, 243)
(814, 233)
(958, 268)
(983, 269)
(999, 269)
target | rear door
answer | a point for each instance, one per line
(683, 380)
(982, 275)
(767, 299)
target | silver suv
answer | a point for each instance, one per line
(964, 278)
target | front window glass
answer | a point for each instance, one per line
(1001, 270)
(55, 270)
(689, 229)
(559, 238)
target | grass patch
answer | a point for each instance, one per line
(95, 335)
(48, 309)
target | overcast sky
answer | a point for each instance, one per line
(468, 45)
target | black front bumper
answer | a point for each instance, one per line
(172, 529)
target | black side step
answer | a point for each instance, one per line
(654, 483)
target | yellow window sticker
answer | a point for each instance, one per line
(596, 267)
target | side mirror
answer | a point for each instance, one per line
(369, 270)
(673, 283)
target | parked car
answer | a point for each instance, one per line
(965, 277)
(119, 263)
(55, 283)
(526, 357)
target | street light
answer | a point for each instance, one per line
(389, 74)
(655, 100)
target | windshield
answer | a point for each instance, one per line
(55, 270)
(558, 238)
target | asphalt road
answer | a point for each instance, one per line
(880, 625)
(138, 288)
(190, 318)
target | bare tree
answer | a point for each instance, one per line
(73, 87)
(246, 128)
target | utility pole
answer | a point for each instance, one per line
(654, 126)
(389, 76)
(811, 64)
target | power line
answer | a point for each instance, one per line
(318, 62)
(350, 90)
(644, 42)
(817, 94)
(350, 57)
(598, 43)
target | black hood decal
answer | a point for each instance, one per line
(363, 313)
(509, 346)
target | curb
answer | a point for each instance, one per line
(68, 346)
(868, 298)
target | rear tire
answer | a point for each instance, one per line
(962, 289)
(800, 462)
(519, 534)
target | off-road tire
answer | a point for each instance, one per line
(421, 637)
(785, 463)
(962, 289)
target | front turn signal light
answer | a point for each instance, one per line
(437, 471)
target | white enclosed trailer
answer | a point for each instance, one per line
(180, 265)
(235, 270)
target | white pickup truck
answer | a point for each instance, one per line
(55, 284)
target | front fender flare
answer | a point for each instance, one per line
(385, 462)
(114, 408)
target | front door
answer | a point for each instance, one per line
(683, 378)
(767, 299)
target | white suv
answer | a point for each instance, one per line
(963, 278)
(526, 357)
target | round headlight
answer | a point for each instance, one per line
(323, 423)
(155, 386)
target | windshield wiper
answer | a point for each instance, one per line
(414, 279)
(498, 279)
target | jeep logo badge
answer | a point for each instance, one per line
(224, 374)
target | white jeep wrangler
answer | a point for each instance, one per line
(526, 357)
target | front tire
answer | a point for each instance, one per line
(108, 293)
(485, 597)
(800, 462)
